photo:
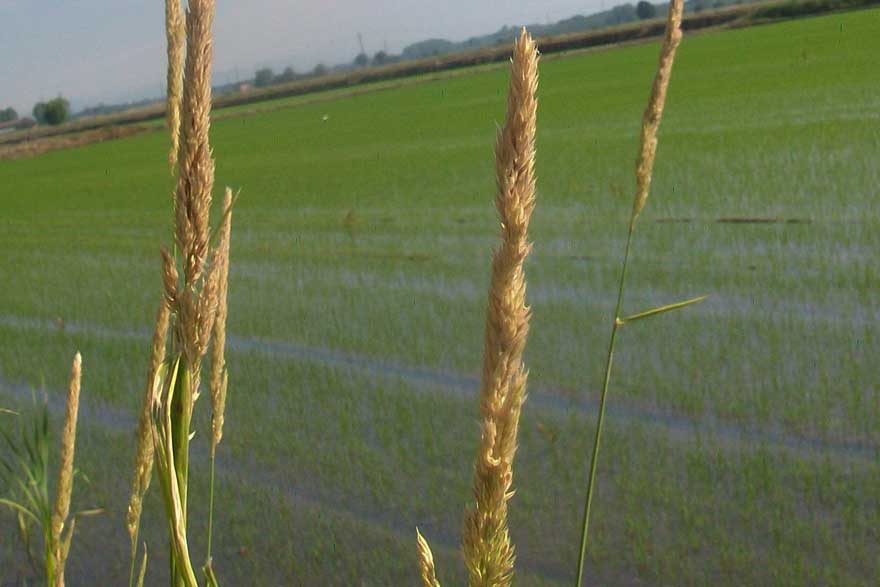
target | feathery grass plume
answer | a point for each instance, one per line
(174, 34)
(196, 166)
(193, 294)
(488, 552)
(643, 173)
(426, 562)
(143, 468)
(194, 184)
(64, 488)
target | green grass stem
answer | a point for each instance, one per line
(616, 323)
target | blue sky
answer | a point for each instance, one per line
(112, 50)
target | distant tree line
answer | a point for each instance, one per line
(102, 109)
(53, 112)
(266, 76)
(8, 114)
(645, 10)
(618, 15)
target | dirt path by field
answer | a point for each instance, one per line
(42, 145)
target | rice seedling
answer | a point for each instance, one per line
(26, 473)
(643, 173)
(488, 552)
(192, 313)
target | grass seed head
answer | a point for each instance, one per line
(64, 488)
(195, 162)
(426, 562)
(656, 103)
(143, 467)
(488, 552)
(219, 376)
(174, 33)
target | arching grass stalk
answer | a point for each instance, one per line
(644, 169)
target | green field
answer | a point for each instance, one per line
(742, 445)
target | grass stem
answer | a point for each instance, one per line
(605, 385)
(211, 507)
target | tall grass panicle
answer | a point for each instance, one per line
(643, 174)
(193, 292)
(488, 551)
(192, 314)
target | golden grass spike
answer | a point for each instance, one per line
(426, 562)
(65, 474)
(488, 552)
(654, 110)
(143, 468)
(219, 376)
(174, 33)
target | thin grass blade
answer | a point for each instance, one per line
(661, 310)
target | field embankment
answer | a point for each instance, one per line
(371, 78)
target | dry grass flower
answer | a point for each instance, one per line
(488, 551)
(426, 562)
(656, 103)
(219, 376)
(143, 469)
